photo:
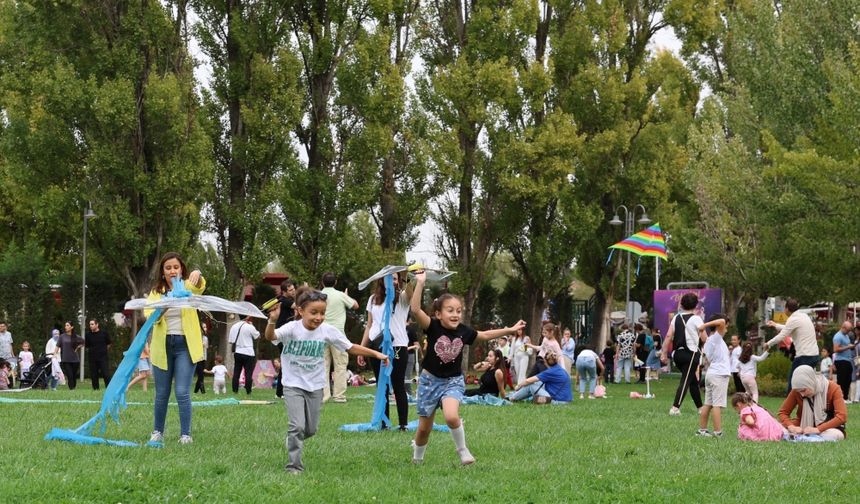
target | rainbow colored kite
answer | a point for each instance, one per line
(649, 242)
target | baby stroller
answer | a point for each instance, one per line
(38, 375)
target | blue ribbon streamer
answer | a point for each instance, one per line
(113, 400)
(383, 384)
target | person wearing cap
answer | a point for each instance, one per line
(819, 404)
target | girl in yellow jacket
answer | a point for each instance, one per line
(176, 346)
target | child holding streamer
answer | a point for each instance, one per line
(441, 381)
(302, 361)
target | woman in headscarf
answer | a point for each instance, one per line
(819, 403)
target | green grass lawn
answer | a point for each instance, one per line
(613, 450)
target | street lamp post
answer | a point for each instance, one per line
(629, 217)
(88, 214)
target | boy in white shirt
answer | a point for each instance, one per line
(717, 377)
(219, 370)
(826, 363)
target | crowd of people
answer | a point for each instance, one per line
(307, 326)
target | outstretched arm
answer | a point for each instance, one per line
(367, 352)
(498, 333)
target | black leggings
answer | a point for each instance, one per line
(688, 363)
(70, 370)
(246, 362)
(843, 376)
(398, 383)
(198, 371)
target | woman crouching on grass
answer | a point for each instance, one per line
(302, 362)
(441, 381)
(819, 403)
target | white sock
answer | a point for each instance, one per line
(459, 436)
(418, 451)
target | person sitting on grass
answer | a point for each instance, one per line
(493, 380)
(716, 377)
(756, 423)
(553, 384)
(819, 403)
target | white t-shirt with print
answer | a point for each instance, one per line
(302, 359)
(220, 372)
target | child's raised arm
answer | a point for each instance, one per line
(273, 319)
(498, 333)
(415, 304)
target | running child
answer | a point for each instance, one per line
(25, 358)
(756, 423)
(303, 365)
(219, 370)
(441, 381)
(747, 369)
(717, 376)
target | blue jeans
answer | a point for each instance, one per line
(624, 364)
(587, 369)
(180, 368)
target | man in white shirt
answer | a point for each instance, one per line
(242, 336)
(336, 305)
(802, 331)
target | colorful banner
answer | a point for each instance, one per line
(668, 302)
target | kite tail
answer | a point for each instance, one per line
(638, 263)
(113, 401)
(384, 382)
(609, 259)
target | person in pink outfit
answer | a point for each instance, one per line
(756, 423)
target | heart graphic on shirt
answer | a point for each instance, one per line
(448, 350)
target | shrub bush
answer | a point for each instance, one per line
(772, 374)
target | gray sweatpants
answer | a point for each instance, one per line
(303, 410)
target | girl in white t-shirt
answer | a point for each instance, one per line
(747, 369)
(303, 365)
(25, 358)
(220, 372)
(373, 338)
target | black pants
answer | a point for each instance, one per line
(688, 363)
(804, 360)
(398, 383)
(99, 367)
(198, 387)
(739, 386)
(246, 362)
(843, 376)
(279, 385)
(70, 369)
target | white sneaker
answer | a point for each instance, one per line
(185, 439)
(156, 437)
(581, 396)
(674, 411)
(466, 457)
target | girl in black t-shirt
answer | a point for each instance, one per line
(441, 382)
